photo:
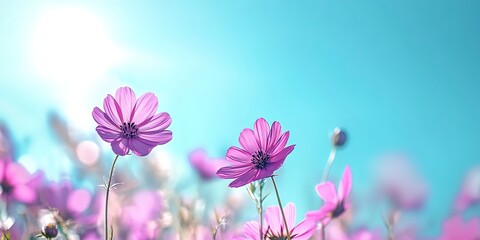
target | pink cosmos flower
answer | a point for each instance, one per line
(131, 124)
(455, 228)
(16, 182)
(205, 166)
(274, 227)
(336, 203)
(470, 191)
(263, 151)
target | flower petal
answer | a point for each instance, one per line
(321, 214)
(112, 109)
(159, 121)
(304, 230)
(261, 133)
(107, 134)
(248, 141)
(238, 156)
(103, 119)
(233, 171)
(126, 100)
(139, 147)
(145, 107)
(244, 179)
(78, 201)
(290, 214)
(273, 219)
(120, 146)
(158, 137)
(327, 192)
(274, 134)
(281, 155)
(16, 174)
(250, 229)
(23, 194)
(345, 184)
(279, 144)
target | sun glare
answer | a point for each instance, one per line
(71, 43)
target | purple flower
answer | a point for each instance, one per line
(131, 124)
(274, 227)
(470, 191)
(336, 203)
(16, 182)
(263, 151)
(144, 209)
(455, 228)
(205, 166)
(70, 203)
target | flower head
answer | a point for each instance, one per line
(263, 151)
(339, 137)
(204, 165)
(16, 182)
(274, 227)
(129, 123)
(336, 202)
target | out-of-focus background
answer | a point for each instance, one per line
(401, 77)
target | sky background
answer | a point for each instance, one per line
(399, 76)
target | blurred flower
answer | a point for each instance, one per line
(70, 203)
(454, 228)
(15, 182)
(337, 230)
(470, 191)
(274, 227)
(339, 137)
(401, 182)
(131, 124)
(263, 152)
(144, 208)
(336, 203)
(205, 166)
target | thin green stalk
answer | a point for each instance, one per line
(281, 208)
(109, 184)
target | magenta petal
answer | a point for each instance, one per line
(112, 109)
(273, 219)
(268, 171)
(290, 214)
(233, 171)
(144, 108)
(159, 137)
(158, 122)
(279, 144)
(2, 169)
(261, 133)
(345, 184)
(23, 194)
(107, 134)
(321, 214)
(103, 119)
(250, 229)
(238, 156)
(280, 156)
(327, 192)
(275, 133)
(140, 148)
(244, 179)
(16, 174)
(248, 141)
(304, 230)
(120, 147)
(126, 100)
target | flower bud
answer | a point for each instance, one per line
(50, 231)
(339, 137)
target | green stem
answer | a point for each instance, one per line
(107, 194)
(331, 158)
(281, 208)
